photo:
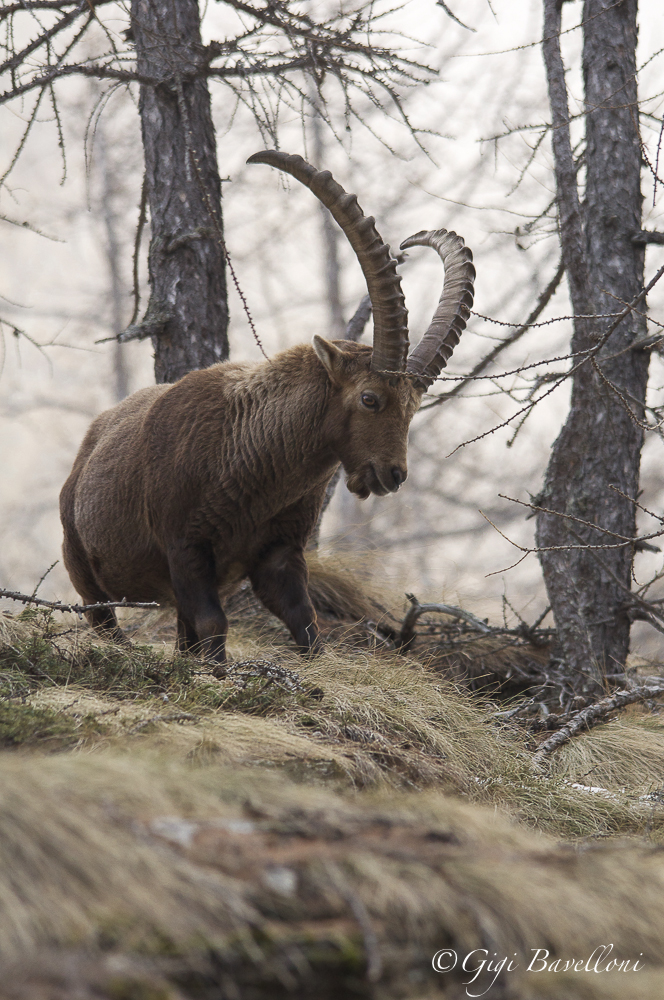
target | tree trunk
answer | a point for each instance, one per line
(112, 251)
(187, 317)
(600, 443)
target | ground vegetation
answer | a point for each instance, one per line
(322, 826)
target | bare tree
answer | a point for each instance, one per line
(187, 316)
(268, 61)
(600, 443)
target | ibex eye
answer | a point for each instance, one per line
(369, 400)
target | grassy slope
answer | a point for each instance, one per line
(328, 824)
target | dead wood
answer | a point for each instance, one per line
(76, 609)
(241, 673)
(170, 717)
(469, 651)
(592, 715)
(407, 633)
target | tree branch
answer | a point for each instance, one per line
(16, 8)
(569, 207)
(19, 57)
(77, 609)
(591, 715)
(407, 633)
(644, 236)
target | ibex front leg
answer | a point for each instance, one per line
(202, 624)
(280, 580)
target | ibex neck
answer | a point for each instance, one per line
(279, 411)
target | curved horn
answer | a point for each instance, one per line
(390, 336)
(435, 348)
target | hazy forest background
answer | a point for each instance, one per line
(482, 165)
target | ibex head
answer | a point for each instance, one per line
(367, 418)
(374, 392)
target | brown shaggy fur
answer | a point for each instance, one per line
(181, 491)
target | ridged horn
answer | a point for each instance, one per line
(435, 348)
(390, 336)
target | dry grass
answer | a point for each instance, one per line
(241, 877)
(625, 755)
(321, 828)
(361, 719)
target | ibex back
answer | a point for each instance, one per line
(181, 491)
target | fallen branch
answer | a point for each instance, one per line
(272, 672)
(590, 716)
(171, 717)
(77, 609)
(407, 633)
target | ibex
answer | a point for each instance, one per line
(181, 491)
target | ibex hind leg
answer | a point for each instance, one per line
(202, 624)
(82, 575)
(280, 580)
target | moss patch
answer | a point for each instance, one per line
(24, 725)
(42, 655)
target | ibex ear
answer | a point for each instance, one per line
(331, 357)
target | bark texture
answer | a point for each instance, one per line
(600, 443)
(187, 316)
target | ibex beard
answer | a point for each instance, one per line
(181, 491)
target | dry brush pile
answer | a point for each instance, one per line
(311, 827)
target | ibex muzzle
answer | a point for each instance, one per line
(181, 491)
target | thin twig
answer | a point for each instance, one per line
(541, 304)
(43, 577)
(273, 672)
(77, 609)
(585, 355)
(453, 16)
